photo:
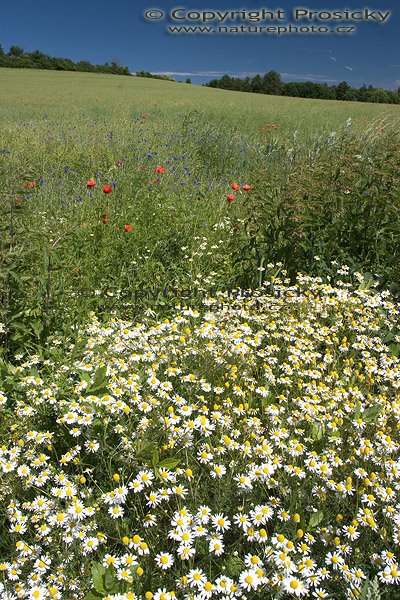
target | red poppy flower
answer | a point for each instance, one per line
(91, 183)
(246, 187)
(107, 189)
(32, 184)
(120, 163)
(18, 200)
(128, 227)
(104, 218)
(235, 187)
(144, 117)
(159, 169)
(230, 197)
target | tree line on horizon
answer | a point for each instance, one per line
(163, 77)
(16, 58)
(271, 83)
(149, 75)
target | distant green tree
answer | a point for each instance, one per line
(246, 84)
(64, 64)
(84, 65)
(378, 95)
(226, 82)
(272, 84)
(213, 83)
(351, 94)
(41, 60)
(188, 80)
(362, 94)
(326, 91)
(393, 97)
(16, 51)
(147, 74)
(257, 84)
(292, 89)
(342, 90)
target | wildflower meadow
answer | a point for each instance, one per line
(200, 359)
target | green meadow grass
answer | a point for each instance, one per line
(324, 182)
(71, 98)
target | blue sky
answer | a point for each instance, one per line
(100, 30)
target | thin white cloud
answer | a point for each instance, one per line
(194, 73)
(307, 76)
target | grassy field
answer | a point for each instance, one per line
(72, 98)
(182, 413)
(321, 185)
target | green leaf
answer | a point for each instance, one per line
(37, 328)
(389, 337)
(317, 431)
(98, 572)
(268, 401)
(155, 458)
(316, 518)
(145, 451)
(371, 413)
(17, 278)
(84, 375)
(336, 174)
(234, 566)
(78, 348)
(99, 385)
(169, 463)
(10, 368)
(93, 595)
(358, 410)
(109, 580)
(99, 377)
